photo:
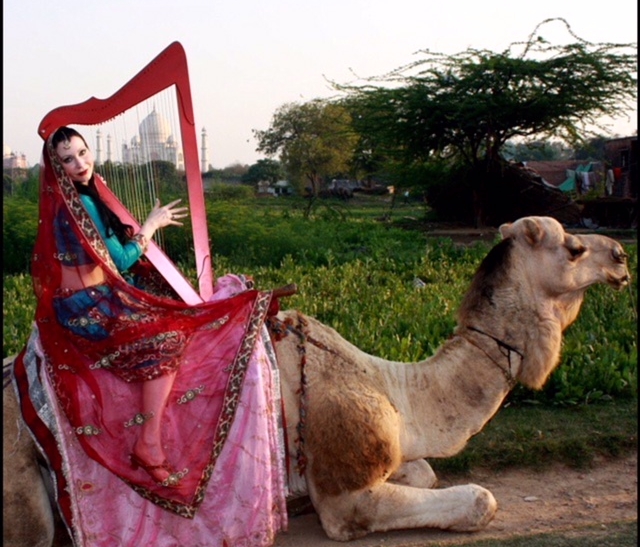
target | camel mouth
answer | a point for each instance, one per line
(618, 282)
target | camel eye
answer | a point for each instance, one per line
(619, 256)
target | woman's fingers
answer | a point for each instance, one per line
(177, 212)
(175, 202)
(169, 213)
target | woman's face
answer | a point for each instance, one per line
(76, 159)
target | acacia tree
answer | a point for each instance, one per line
(314, 140)
(465, 107)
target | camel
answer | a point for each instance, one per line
(360, 429)
(28, 517)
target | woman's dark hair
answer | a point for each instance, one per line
(112, 222)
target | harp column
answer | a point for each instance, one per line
(203, 152)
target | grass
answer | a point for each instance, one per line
(536, 437)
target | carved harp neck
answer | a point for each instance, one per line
(168, 69)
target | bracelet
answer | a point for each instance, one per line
(141, 240)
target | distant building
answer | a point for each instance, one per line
(576, 177)
(11, 160)
(283, 188)
(155, 142)
(619, 171)
(621, 157)
(280, 188)
(203, 152)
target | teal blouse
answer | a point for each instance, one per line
(124, 256)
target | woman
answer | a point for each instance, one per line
(148, 410)
(125, 249)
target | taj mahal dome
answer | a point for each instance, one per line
(155, 142)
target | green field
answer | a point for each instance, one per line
(356, 269)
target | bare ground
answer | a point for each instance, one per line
(530, 502)
(557, 499)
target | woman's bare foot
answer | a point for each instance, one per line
(153, 460)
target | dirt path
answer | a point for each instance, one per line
(530, 502)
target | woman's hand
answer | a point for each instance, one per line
(162, 216)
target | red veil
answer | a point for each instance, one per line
(98, 341)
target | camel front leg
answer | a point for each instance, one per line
(416, 473)
(386, 506)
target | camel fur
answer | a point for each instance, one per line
(27, 515)
(360, 428)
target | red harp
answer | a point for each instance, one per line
(166, 72)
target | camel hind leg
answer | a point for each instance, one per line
(386, 506)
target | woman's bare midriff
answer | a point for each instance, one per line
(80, 277)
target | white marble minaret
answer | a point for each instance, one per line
(98, 147)
(203, 152)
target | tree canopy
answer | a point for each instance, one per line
(471, 103)
(462, 109)
(314, 140)
(461, 113)
(264, 170)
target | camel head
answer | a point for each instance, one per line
(564, 263)
(531, 286)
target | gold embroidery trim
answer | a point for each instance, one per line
(87, 430)
(190, 395)
(139, 419)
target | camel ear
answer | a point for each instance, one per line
(506, 230)
(528, 227)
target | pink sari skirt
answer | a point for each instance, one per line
(243, 503)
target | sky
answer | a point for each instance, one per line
(247, 58)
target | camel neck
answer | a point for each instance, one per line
(510, 371)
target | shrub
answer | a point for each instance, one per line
(19, 228)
